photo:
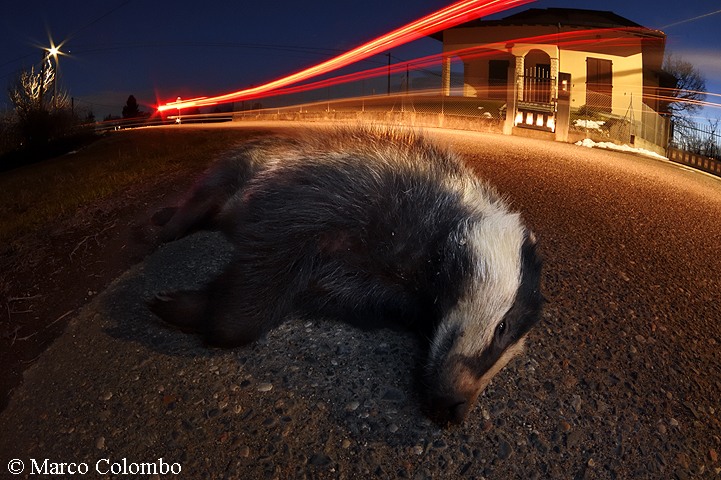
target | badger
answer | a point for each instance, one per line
(375, 227)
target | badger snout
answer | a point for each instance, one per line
(460, 379)
(451, 408)
(454, 387)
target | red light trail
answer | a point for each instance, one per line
(577, 40)
(450, 16)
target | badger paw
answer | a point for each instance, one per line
(163, 216)
(182, 308)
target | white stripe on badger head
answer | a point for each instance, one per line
(494, 241)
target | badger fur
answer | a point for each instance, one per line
(370, 226)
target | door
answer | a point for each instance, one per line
(599, 83)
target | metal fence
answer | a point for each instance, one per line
(537, 84)
(696, 138)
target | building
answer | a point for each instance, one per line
(608, 64)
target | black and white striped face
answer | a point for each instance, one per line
(488, 325)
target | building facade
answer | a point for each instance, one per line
(612, 63)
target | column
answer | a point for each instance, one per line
(554, 78)
(519, 76)
(446, 76)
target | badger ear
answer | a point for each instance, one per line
(531, 258)
(532, 238)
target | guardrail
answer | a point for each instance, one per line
(157, 120)
(694, 160)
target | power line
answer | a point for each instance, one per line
(690, 19)
(96, 104)
(97, 20)
(67, 38)
(91, 48)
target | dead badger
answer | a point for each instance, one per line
(373, 227)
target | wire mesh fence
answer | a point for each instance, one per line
(640, 124)
(410, 92)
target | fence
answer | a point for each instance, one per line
(701, 140)
(701, 162)
(409, 96)
(640, 126)
(537, 84)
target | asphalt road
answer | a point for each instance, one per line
(620, 380)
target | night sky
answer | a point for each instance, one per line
(158, 50)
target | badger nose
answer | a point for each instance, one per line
(450, 408)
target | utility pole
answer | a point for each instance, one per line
(55, 84)
(389, 73)
(42, 80)
(407, 79)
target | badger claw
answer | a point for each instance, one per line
(182, 308)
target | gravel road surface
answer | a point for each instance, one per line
(620, 378)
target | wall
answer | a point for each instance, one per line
(624, 49)
(627, 78)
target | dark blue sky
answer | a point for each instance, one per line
(159, 49)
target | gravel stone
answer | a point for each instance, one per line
(393, 394)
(440, 444)
(573, 438)
(504, 450)
(576, 403)
(319, 460)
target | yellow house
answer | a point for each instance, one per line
(614, 64)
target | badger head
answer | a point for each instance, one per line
(499, 302)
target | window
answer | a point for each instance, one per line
(497, 78)
(599, 83)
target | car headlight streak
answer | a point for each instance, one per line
(450, 16)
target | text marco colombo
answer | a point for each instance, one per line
(104, 466)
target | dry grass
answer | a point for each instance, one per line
(33, 195)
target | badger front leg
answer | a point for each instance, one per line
(230, 311)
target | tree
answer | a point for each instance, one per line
(131, 109)
(40, 113)
(689, 89)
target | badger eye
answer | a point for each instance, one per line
(501, 328)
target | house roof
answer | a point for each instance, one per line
(575, 17)
(564, 17)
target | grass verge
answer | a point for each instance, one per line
(39, 193)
